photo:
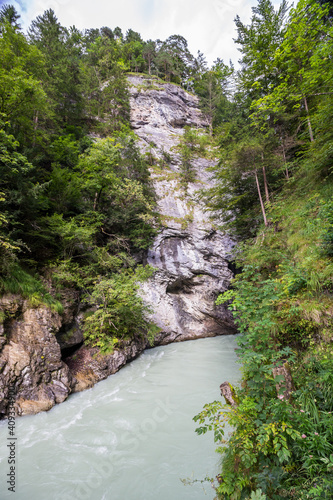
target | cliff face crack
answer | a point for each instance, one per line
(180, 284)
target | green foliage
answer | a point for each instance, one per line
(283, 307)
(72, 208)
(258, 495)
(62, 78)
(6, 244)
(115, 182)
(18, 281)
(194, 143)
(173, 59)
(213, 89)
(282, 99)
(245, 171)
(282, 444)
(258, 41)
(326, 214)
(118, 311)
(8, 14)
(76, 210)
(22, 97)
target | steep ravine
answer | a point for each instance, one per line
(37, 358)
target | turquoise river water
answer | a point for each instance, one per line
(130, 437)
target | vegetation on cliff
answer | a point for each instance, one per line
(76, 212)
(77, 204)
(274, 191)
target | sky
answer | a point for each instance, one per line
(207, 25)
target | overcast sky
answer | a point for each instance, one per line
(208, 25)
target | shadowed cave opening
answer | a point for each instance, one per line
(66, 352)
(180, 285)
(232, 266)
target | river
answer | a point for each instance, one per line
(130, 437)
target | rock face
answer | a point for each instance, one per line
(88, 366)
(31, 358)
(190, 256)
(37, 359)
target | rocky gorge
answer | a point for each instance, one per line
(43, 357)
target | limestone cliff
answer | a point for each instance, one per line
(190, 257)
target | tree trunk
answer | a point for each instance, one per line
(265, 183)
(285, 159)
(260, 198)
(97, 197)
(210, 97)
(286, 387)
(228, 393)
(35, 128)
(308, 118)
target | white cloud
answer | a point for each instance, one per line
(207, 25)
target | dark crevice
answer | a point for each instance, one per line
(200, 272)
(210, 235)
(180, 285)
(69, 351)
(232, 266)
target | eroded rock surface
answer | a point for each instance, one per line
(32, 367)
(30, 358)
(190, 256)
(88, 366)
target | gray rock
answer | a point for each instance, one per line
(190, 257)
(30, 358)
(89, 366)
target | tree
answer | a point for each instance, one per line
(61, 53)
(90, 36)
(104, 84)
(118, 34)
(120, 312)
(107, 32)
(8, 14)
(16, 186)
(199, 66)
(149, 53)
(132, 36)
(258, 43)
(174, 58)
(133, 53)
(212, 88)
(21, 96)
(165, 60)
(248, 157)
(114, 183)
(298, 80)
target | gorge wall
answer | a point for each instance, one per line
(37, 358)
(191, 257)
